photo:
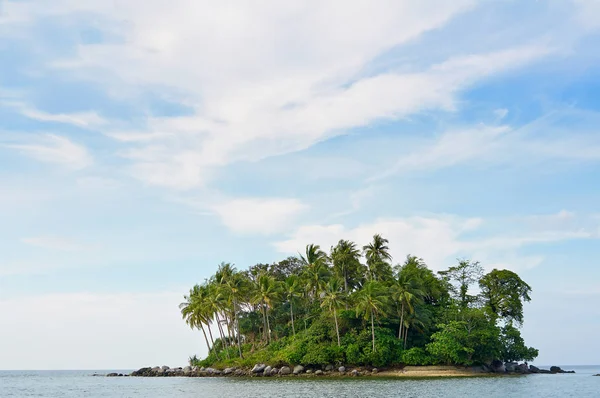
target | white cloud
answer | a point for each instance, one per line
(95, 331)
(80, 119)
(52, 148)
(440, 239)
(546, 138)
(436, 239)
(264, 79)
(55, 243)
(259, 215)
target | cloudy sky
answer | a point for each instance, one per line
(144, 142)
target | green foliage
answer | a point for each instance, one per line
(475, 339)
(417, 356)
(513, 346)
(320, 309)
(504, 293)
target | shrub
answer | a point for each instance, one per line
(417, 356)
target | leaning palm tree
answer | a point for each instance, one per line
(292, 291)
(333, 299)
(371, 301)
(216, 303)
(378, 258)
(194, 311)
(234, 285)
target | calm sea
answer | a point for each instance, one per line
(58, 384)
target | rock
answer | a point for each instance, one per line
(143, 372)
(160, 371)
(497, 367)
(165, 368)
(285, 370)
(355, 373)
(298, 369)
(597, 374)
(239, 372)
(534, 369)
(309, 371)
(522, 368)
(187, 369)
(375, 370)
(228, 371)
(510, 366)
(112, 375)
(545, 371)
(274, 371)
(341, 369)
(329, 368)
(259, 368)
(267, 371)
(319, 372)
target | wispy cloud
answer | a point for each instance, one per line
(81, 119)
(440, 239)
(55, 243)
(546, 138)
(53, 148)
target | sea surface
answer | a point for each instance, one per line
(67, 383)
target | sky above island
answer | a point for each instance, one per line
(144, 142)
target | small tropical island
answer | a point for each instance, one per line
(352, 312)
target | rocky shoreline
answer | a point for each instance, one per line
(263, 370)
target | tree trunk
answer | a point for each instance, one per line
(205, 338)
(292, 316)
(212, 341)
(401, 322)
(223, 339)
(337, 330)
(373, 329)
(268, 324)
(237, 326)
(405, 337)
(264, 335)
(346, 284)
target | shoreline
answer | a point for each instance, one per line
(261, 370)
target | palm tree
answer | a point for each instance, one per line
(292, 290)
(234, 285)
(216, 303)
(404, 293)
(333, 299)
(316, 271)
(345, 258)
(266, 293)
(378, 258)
(316, 277)
(194, 311)
(370, 302)
(314, 255)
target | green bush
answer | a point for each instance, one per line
(417, 356)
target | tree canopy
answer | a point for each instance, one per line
(352, 306)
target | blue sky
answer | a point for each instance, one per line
(144, 142)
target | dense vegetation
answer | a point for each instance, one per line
(319, 309)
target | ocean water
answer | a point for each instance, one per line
(57, 384)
